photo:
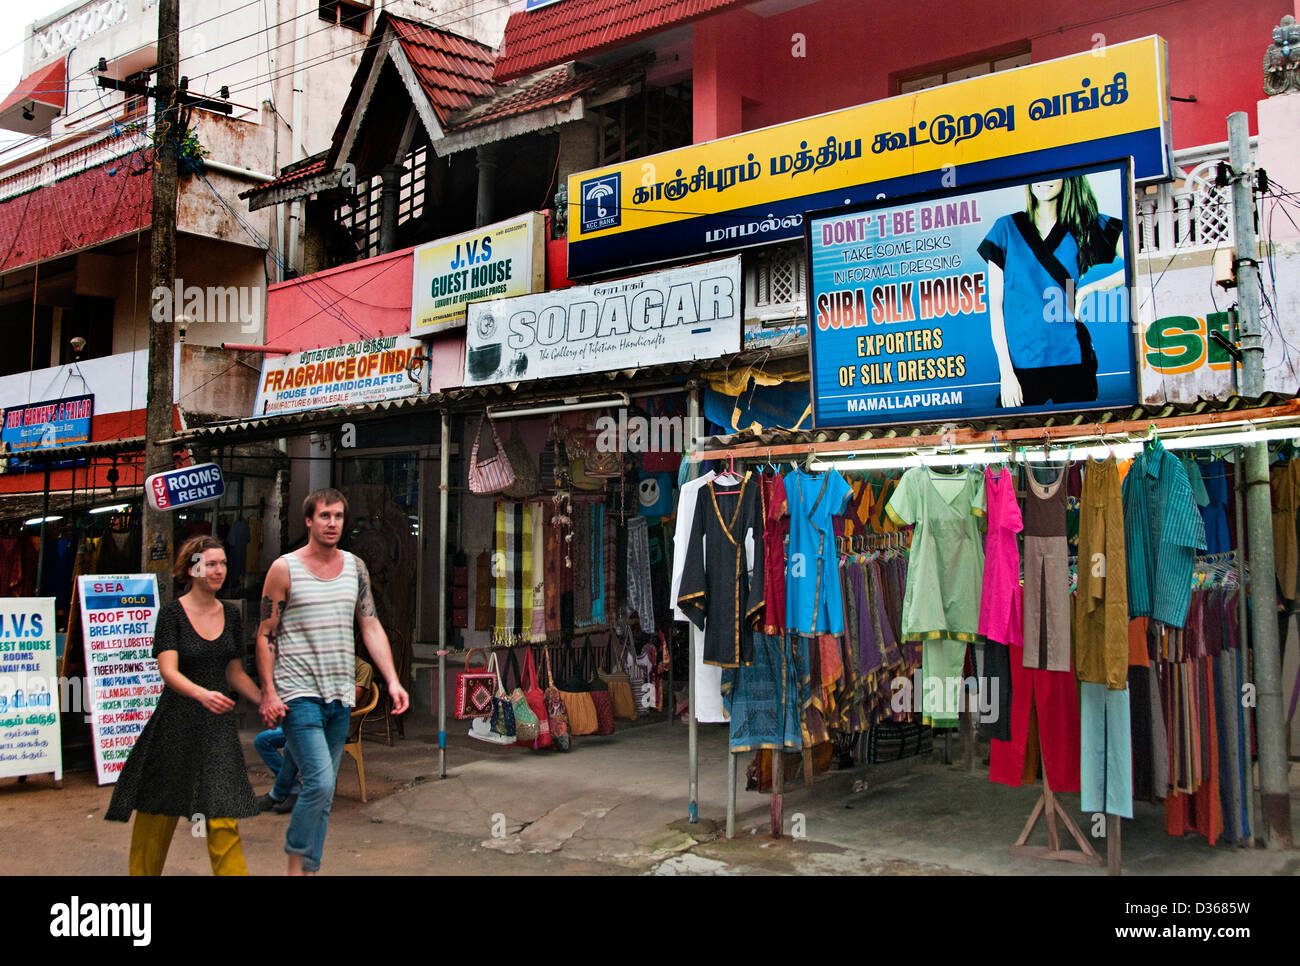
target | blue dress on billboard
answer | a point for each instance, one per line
(1051, 351)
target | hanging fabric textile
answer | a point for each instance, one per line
(1001, 604)
(541, 529)
(640, 598)
(812, 590)
(708, 678)
(944, 578)
(1101, 646)
(718, 592)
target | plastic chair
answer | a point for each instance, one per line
(353, 745)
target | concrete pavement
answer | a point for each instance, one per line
(613, 805)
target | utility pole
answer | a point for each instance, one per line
(1269, 716)
(170, 97)
(157, 550)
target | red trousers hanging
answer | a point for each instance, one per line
(1044, 708)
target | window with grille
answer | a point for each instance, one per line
(361, 216)
(776, 283)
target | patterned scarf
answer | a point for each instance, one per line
(640, 600)
(541, 531)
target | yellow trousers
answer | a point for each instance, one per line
(151, 837)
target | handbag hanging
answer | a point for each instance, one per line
(503, 712)
(577, 700)
(474, 688)
(492, 474)
(619, 683)
(536, 700)
(524, 466)
(557, 718)
(601, 699)
(527, 727)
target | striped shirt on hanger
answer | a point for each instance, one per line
(1162, 532)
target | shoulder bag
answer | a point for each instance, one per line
(492, 474)
(578, 702)
(557, 718)
(618, 681)
(601, 698)
(527, 725)
(475, 688)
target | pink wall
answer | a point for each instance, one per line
(1215, 53)
(353, 302)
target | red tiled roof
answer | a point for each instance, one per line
(572, 29)
(89, 208)
(291, 174)
(453, 70)
(557, 86)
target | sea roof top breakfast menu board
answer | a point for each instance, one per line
(118, 616)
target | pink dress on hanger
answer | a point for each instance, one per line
(1000, 602)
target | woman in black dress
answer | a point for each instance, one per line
(187, 762)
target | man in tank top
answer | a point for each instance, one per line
(305, 652)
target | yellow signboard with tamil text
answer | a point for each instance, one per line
(753, 188)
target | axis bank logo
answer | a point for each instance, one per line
(225, 305)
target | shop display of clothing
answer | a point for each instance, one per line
(1047, 575)
(1284, 484)
(708, 678)
(812, 592)
(776, 527)
(640, 599)
(811, 599)
(719, 592)
(1000, 603)
(1214, 513)
(1101, 614)
(945, 572)
(1162, 532)
(764, 699)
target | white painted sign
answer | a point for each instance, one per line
(1181, 307)
(692, 312)
(29, 693)
(118, 616)
(344, 375)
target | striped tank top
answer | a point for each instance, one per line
(316, 642)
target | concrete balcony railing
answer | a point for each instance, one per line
(1189, 213)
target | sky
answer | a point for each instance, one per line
(14, 18)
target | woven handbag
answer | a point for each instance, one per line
(503, 712)
(557, 718)
(475, 688)
(492, 474)
(618, 681)
(536, 701)
(527, 727)
(524, 466)
(577, 700)
(601, 698)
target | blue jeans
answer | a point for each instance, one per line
(269, 744)
(315, 732)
